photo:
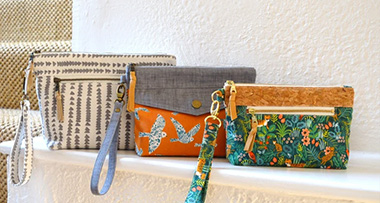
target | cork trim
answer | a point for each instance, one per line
(292, 96)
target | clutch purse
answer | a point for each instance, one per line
(75, 97)
(170, 105)
(281, 126)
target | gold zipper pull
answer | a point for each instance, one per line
(58, 98)
(132, 86)
(231, 109)
(252, 134)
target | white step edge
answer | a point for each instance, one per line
(360, 182)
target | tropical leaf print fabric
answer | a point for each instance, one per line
(198, 188)
(291, 140)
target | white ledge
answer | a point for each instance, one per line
(360, 182)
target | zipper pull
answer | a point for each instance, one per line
(232, 103)
(252, 134)
(132, 86)
(58, 98)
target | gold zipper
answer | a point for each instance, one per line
(323, 111)
(58, 95)
(276, 85)
(299, 110)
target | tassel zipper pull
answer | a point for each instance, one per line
(252, 134)
(58, 98)
(132, 87)
(231, 109)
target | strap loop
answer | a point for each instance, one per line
(24, 132)
(199, 185)
(109, 146)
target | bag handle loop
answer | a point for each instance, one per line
(23, 132)
(109, 145)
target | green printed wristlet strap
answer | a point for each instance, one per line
(198, 188)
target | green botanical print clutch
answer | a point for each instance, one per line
(291, 126)
(313, 141)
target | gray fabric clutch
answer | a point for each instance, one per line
(171, 104)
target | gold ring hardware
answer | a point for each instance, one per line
(215, 94)
(214, 118)
(120, 93)
(214, 110)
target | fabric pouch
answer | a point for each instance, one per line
(282, 126)
(75, 97)
(75, 93)
(171, 104)
(289, 125)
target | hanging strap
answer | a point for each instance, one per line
(23, 133)
(109, 146)
(198, 188)
(199, 185)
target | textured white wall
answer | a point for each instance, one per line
(289, 42)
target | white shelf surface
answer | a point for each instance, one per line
(167, 179)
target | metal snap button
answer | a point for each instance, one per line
(196, 104)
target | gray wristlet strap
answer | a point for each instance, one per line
(109, 146)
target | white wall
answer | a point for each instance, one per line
(289, 42)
